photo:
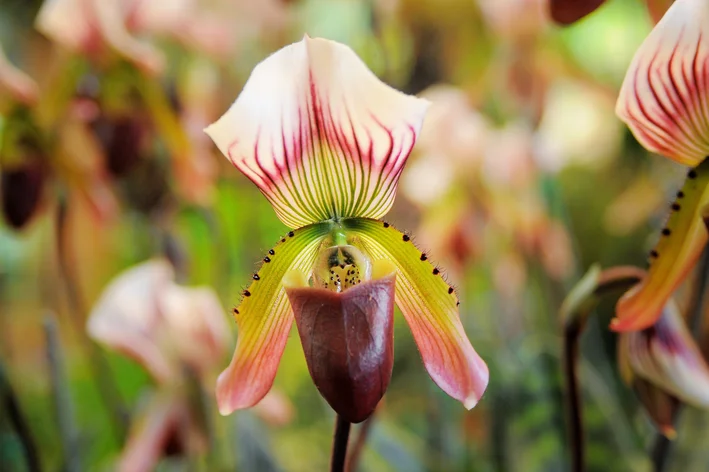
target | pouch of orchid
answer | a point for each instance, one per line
(345, 322)
(326, 141)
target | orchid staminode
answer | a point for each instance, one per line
(665, 102)
(326, 141)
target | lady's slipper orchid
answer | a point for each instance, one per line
(665, 103)
(664, 364)
(325, 141)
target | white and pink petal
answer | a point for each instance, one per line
(319, 134)
(664, 97)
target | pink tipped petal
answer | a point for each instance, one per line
(681, 243)
(319, 134)
(126, 317)
(150, 435)
(19, 84)
(68, 22)
(264, 318)
(430, 307)
(664, 97)
(667, 356)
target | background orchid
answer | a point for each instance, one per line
(521, 178)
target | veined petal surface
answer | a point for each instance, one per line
(319, 134)
(664, 98)
(430, 307)
(264, 318)
(667, 356)
(681, 243)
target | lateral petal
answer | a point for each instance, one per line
(429, 306)
(664, 97)
(319, 134)
(264, 318)
(667, 356)
(681, 243)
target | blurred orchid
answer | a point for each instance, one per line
(665, 366)
(325, 141)
(171, 331)
(664, 102)
(15, 83)
(477, 187)
(90, 26)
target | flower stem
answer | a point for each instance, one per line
(98, 364)
(358, 446)
(339, 445)
(63, 404)
(574, 409)
(581, 305)
(10, 406)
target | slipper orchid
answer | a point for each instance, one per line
(665, 103)
(325, 141)
(665, 366)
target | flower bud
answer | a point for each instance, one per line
(21, 189)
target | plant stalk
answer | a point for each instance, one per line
(339, 445)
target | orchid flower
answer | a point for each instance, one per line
(665, 103)
(325, 141)
(665, 366)
(165, 327)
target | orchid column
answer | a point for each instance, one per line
(325, 141)
(665, 102)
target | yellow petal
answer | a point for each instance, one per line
(430, 307)
(265, 318)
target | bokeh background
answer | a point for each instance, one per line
(522, 178)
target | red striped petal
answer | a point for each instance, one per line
(664, 95)
(319, 134)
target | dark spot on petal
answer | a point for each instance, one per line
(266, 259)
(271, 252)
(386, 225)
(256, 277)
(436, 271)
(692, 174)
(654, 254)
(406, 238)
(283, 240)
(235, 311)
(247, 293)
(457, 303)
(423, 257)
(675, 206)
(680, 194)
(450, 290)
(666, 231)
(291, 234)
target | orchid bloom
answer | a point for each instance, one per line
(665, 103)
(87, 26)
(165, 328)
(325, 141)
(664, 365)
